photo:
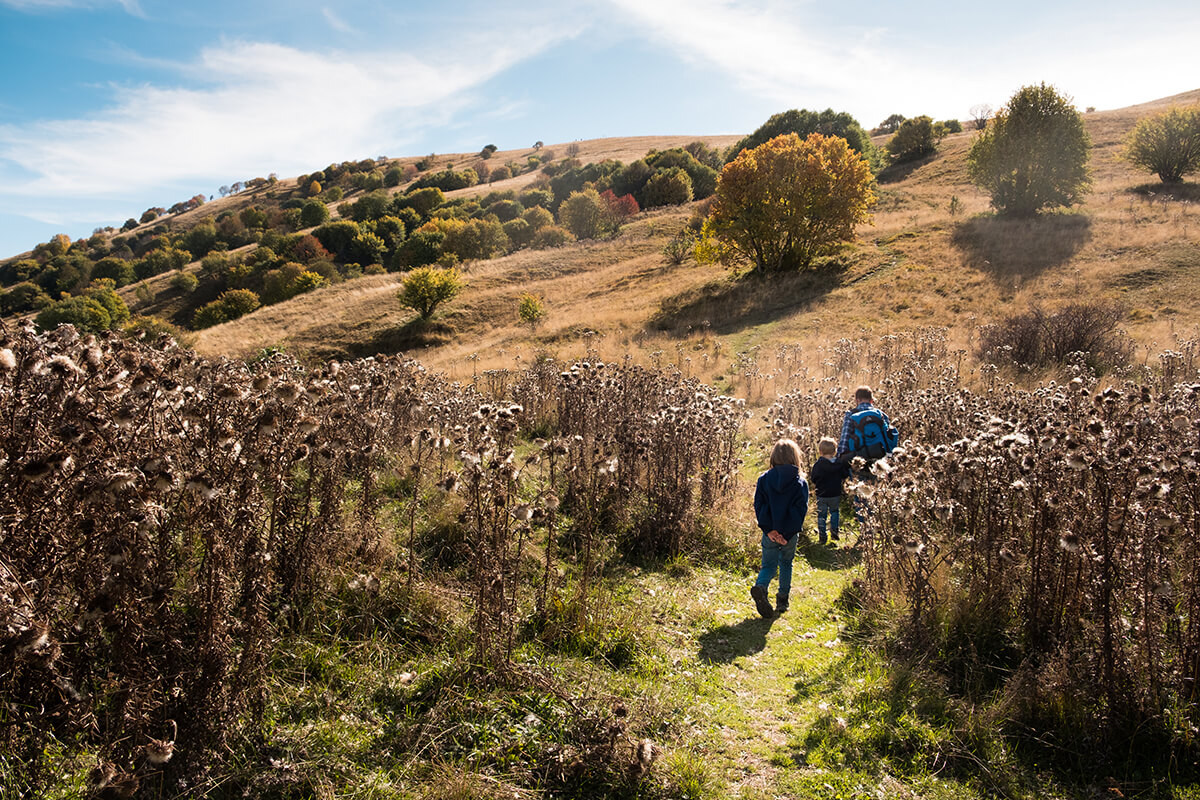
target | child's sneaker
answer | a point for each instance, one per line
(759, 593)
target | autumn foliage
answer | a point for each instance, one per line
(783, 203)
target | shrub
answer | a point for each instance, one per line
(24, 296)
(426, 288)
(703, 177)
(1167, 144)
(537, 197)
(519, 232)
(1038, 338)
(1034, 154)
(506, 210)
(337, 236)
(538, 217)
(914, 138)
(160, 260)
(84, 313)
(531, 310)
(394, 176)
(200, 239)
(448, 180)
(584, 214)
(421, 200)
(473, 239)
(500, 173)
(781, 204)
(668, 187)
(551, 236)
(803, 122)
(891, 124)
(620, 209)
(229, 306)
(99, 309)
(365, 248)
(948, 126)
(422, 247)
(149, 215)
(314, 213)
(185, 282)
(118, 270)
(370, 206)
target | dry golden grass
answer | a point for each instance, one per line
(917, 265)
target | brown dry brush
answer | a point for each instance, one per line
(168, 517)
(164, 517)
(1044, 544)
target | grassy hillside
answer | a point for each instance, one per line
(934, 256)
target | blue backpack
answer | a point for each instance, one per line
(870, 437)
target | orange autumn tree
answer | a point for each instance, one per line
(785, 202)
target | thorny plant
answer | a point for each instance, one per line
(167, 517)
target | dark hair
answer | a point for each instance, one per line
(863, 394)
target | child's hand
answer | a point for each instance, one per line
(777, 538)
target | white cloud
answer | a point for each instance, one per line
(336, 22)
(267, 108)
(130, 6)
(790, 54)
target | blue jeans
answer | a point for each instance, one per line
(779, 557)
(828, 507)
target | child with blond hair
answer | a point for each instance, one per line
(827, 475)
(780, 504)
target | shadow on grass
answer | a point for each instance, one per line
(416, 334)
(827, 557)
(1021, 248)
(734, 304)
(1168, 192)
(894, 173)
(722, 645)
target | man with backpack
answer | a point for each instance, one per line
(867, 433)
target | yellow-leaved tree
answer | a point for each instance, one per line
(785, 202)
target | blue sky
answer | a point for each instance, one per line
(109, 107)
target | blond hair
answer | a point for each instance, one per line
(785, 451)
(827, 446)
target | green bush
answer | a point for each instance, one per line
(537, 197)
(667, 187)
(915, 138)
(100, 309)
(422, 200)
(24, 296)
(185, 282)
(584, 214)
(419, 249)
(118, 270)
(1167, 144)
(551, 236)
(229, 306)
(394, 176)
(531, 310)
(538, 218)
(1033, 155)
(366, 248)
(313, 213)
(802, 122)
(448, 180)
(426, 288)
(506, 210)
(473, 239)
(337, 236)
(519, 232)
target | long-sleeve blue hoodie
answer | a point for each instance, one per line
(781, 500)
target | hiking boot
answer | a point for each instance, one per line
(781, 602)
(759, 593)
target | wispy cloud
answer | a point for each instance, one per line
(266, 107)
(130, 6)
(336, 22)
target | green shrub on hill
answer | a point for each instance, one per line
(1167, 144)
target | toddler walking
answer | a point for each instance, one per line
(780, 503)
(827, 476)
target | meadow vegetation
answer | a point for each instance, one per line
(296, 563)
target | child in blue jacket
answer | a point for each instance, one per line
(780, 503)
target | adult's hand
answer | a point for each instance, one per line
(777, 538)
